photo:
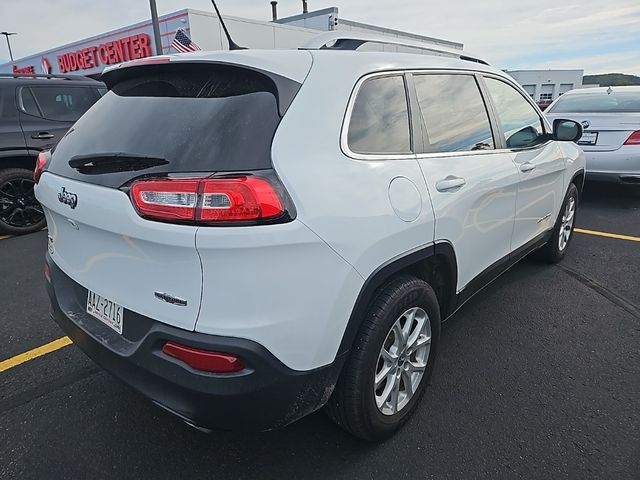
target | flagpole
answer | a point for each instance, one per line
(156, 27)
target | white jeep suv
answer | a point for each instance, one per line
(247, 236)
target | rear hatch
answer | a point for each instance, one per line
(158, 121)
(608, 119)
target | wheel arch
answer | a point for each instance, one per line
(18, 159)
(436, 264)
(578, 179)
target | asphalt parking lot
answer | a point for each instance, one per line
(538, 377)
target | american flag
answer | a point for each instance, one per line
(182, 43)
(46, 66)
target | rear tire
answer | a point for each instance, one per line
(556, 248)
(20, 212)
(371, 381)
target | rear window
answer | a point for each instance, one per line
(177, 118)
(601, 102)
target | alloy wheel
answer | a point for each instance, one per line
(18, 205)
(402, 361)
(566, 225)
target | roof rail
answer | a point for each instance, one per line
(337, 40)
(43, 75)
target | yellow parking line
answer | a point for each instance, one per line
(35, 353)
(607, 235)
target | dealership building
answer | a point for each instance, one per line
(90, 56)
(544, 86)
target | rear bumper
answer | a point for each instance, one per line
(620, 166)
(264, 396)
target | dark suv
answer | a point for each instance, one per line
(35, 112)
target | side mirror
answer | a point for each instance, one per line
(566, 130)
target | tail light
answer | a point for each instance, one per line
(634, 138)
(207, 201)
(204, 360)
(41, 162)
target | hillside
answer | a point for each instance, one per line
(612, 79)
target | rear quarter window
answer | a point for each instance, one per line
(379, 122)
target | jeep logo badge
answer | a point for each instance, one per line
(69, 198)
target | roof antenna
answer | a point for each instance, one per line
(232, 45)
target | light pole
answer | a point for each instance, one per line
(7, 34)
(156, 27)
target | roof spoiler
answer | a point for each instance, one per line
(337, 40)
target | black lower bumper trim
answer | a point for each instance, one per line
(264, 396)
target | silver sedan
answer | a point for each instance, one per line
(610, 118)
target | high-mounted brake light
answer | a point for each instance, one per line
(147, 61)
(205, 360)
(41, 162)
(634, 138)
(208, 200)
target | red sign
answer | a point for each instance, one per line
(29, 70)
(122, 50)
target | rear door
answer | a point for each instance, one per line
(472, 185)
(539, 161)
(48, 111)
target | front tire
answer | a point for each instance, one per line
(20, 212)
(556, 248)
(391, 361)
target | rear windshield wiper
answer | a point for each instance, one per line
(99, 163)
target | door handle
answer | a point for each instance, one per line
(42, 136)
(450, 183)
(527, 167)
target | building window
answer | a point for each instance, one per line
(546, 96)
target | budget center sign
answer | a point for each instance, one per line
(107, 53)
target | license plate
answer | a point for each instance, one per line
(588, 138)
(105, 310)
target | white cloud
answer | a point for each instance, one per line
(509, 34)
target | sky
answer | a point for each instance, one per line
(595, 35)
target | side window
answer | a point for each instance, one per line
(8, 109)
(380, 118)
(101, 91)
(521, 124)
(453, 113)
(28, 103)
(66, 104)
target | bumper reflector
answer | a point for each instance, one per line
(204, 360)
